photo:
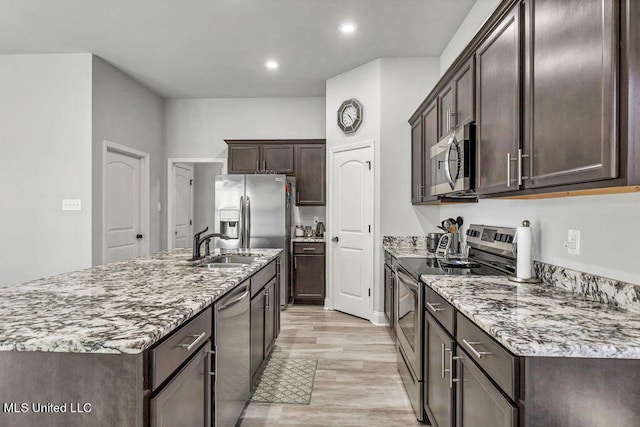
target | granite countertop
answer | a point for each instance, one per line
(122, 307)
(410, 252)
(308, 239)
(542, 320)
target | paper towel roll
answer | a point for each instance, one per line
(523, 261)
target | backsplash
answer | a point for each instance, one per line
(614, 292)
(405, 242)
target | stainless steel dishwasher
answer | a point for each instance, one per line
(232, 352)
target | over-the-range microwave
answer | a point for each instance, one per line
(453, 163)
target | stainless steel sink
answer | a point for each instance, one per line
(227, 261)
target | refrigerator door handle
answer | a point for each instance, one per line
(241, 224)
(248, 224)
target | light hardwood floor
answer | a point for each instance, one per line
(356, 383)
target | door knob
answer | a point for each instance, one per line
(335, 239)
(138, 236)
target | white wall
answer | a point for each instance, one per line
(477, 16)
(45, 143)
(129, 114)
(198, 127)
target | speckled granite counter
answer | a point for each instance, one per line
(542, 320)
(122, 307)
(406, 246)
(308, 240)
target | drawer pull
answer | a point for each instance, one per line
(477, 353)
(308, 249)
(198, 338)
(431, 307)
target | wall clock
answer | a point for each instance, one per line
(350, 116)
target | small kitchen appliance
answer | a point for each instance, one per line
(432, 242)
(320, 229)
(453, 164)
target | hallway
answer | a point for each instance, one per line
(356, 382)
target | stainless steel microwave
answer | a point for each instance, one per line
(453, 163)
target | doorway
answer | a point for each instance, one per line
(351, 220)
(200, 184)
(125, 203)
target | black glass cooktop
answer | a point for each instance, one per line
(416, 267)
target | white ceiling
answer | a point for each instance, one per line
(217, 48)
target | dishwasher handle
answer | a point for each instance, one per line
(233, 301)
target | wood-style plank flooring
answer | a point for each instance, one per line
(356, 383)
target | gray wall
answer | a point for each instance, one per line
(204, 195)
(129, 114)
(45, 142)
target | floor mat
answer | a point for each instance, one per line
(286, 381)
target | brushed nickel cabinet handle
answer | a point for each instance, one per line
(477, 353)
(308, 249)
(434, 309)
(442, 370)
(189, 347)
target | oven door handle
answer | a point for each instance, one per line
(407, 280)
(447, 159)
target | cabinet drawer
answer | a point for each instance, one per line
(497, 362)
(308, 248)
(441, 310)
(262, 277)
(178, 347)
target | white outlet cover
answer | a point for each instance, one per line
(71, 204)
(573, 242)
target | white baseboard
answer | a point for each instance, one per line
(327, 304)
(379, 319)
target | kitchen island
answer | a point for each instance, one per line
(75, 348)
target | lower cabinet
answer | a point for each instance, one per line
(479, 402)
(439, 393)
(389, 297)
(186, 400)
(308, 273)
(264, 318)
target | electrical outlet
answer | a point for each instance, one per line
(315, 219)
(71, 204)
(573, 242)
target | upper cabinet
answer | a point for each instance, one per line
(302, 158)
(498, 112)
(256, 156)
(553, 89)
(456, 102)
(424, 134)
(570, 95)
(310, 174)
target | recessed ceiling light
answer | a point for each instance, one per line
(271, 64)
(348, 27)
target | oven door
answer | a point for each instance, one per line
(409, 321)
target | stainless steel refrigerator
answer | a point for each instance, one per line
(254, 210)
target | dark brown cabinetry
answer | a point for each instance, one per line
(310, 170)
(439, 397)
(498, 106)
(570, 98)
(446, 111)
(264, 316)
(252, 156)
(424, 134)
(308, 273)
(389, 293)
(456, 102)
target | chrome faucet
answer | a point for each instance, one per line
(198, 241)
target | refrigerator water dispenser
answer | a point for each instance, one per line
(229, 222)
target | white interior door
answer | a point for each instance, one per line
(123, 207)
(351, 208)
(183, 207)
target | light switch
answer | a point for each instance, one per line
(573, 242)
(71, 204)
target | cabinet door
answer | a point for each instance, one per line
(571, 114)
(417, 158)
(479, 403)
(464, 94)
(440, 389)
(446, 110)
(309, 278)
(243, 158)
(270, 313)
(388, 296)
(185, 401)
(310, 174)
(498, 106)
(257, 331)
(430, 138)
(277, 158)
